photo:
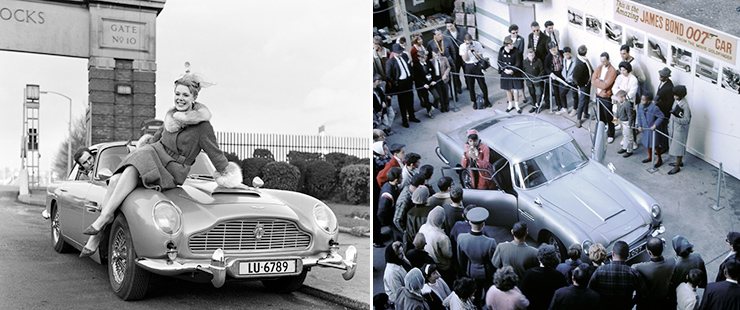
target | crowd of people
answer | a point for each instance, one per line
(441, 255)
(620, 93)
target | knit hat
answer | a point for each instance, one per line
(420, 195)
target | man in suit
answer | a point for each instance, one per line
(538, 42)
(443, 45)
(517, 254)
(724, 294)
(475, 251)
(603, 79)
(398, 152)
(457, 34)
(569, 65)
(577, 296)
(582, 77)
(425, 83)
(657, 275)
(552, 33)
(441, 72)
(733, 241)
(553, 67)
(398, 71)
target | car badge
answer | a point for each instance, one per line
(259, 231)
(257, 207)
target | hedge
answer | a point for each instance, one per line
(281, 175)
(320, 179)
(306, 156)
(252, 167)
(263, 153)
(355, 183)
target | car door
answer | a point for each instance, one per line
(501, 203)
(106, 162)
(70, 204)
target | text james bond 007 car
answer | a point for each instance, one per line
(197, 231)
(546, 181)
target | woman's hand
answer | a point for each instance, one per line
(639, 129)
(652, 127)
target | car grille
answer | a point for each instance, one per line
(242, 235)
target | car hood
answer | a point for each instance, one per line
(595, 200)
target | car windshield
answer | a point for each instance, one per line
(550, 165)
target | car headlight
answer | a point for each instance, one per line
(586, 244)
(167, 217)
(325, 218)
(655, 212)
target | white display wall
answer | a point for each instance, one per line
(714, 133)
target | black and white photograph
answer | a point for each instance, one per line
(158, 152)
(593, 24)
(707, 69)
(681, 58)
(613, 31)
(635, 39)
(657, 49)
(731, 79)
(575, 17)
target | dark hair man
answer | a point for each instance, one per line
(518, 254)
(389, 193)
(617, 282)
(657, 275)
(577, 296)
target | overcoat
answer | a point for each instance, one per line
(678, 129)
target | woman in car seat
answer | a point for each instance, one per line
(163, 161)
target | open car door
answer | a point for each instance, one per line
(501, 206)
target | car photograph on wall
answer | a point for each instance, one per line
(197, 231)
(545, 180)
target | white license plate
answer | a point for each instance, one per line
(267, 267)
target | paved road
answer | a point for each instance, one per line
(34, 276)
(685, 198)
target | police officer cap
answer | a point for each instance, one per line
(477, 215)
(395, 147)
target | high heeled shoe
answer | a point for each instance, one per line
(87, 252)
(90, 231)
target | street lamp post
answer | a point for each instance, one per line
(69, 128)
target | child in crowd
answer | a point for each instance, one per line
(625, 116)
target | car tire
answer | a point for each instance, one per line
(60, 245)
(553, 240)
(128, 281)
(286, 284)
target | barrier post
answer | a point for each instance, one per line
(652, 168)
(551, 102)
(716, 206)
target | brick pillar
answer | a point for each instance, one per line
(114, 116)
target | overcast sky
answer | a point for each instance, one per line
(279, 67)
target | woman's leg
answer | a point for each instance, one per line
(116, 193)
(509, 100)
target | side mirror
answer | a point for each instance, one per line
(257, 182)
(104, 174)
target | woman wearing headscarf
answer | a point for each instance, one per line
(678, 127)
(476, 155)
(461, 297)
(686, 260)
(396, 266)
(438, 243)
(435, 289)
(410, 297)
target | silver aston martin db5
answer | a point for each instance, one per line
(545, 180)
(197, 231)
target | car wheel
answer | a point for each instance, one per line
(286, 284)
(553, 240)
(128, 280)
(57, 240)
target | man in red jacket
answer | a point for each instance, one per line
(603, 79)
(399, 152)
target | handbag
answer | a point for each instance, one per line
(483, 62)
(677, 112)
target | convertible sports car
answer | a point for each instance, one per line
(197, 231)
(545, 180)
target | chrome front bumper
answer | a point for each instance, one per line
(219, 266)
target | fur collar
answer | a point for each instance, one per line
(174, 120)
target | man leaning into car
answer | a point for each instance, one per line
(85, 159)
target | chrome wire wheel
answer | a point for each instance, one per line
(118, 255)
(56, 233)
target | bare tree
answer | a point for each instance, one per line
(79, 140)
